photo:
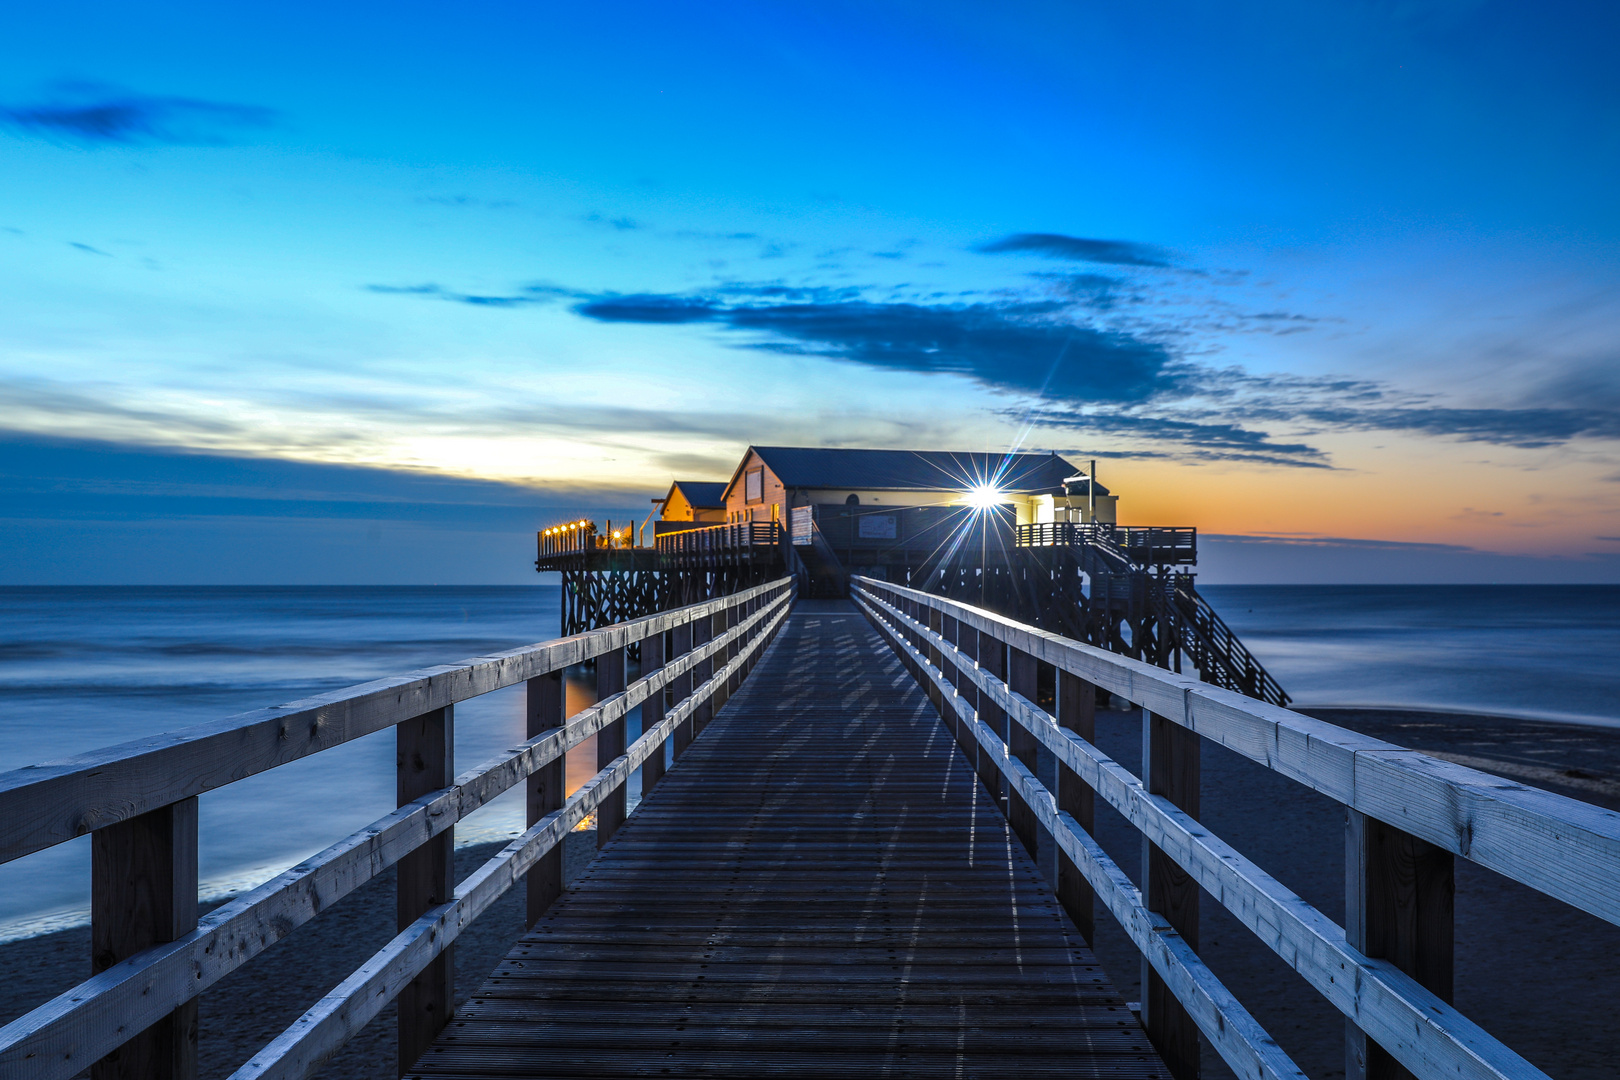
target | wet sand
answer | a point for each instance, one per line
(1535, 973)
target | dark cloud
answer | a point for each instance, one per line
(1027, 348)
(1079, 249)
(97, 114)
(649, 308)
(87, 248)
(1203, 440)
(1529, 429)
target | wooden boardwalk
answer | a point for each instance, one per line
(820, 888)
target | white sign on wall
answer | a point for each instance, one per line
(877, 527)
(802, 526)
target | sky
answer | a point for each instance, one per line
(369, 293)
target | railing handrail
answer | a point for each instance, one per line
(55, 801)
(1499, 824)
(55, 1040)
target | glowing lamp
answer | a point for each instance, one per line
(984, 496)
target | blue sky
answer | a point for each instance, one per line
(370, 293)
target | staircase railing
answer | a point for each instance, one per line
(1215, 650)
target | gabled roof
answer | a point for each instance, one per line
(701, 494)
(918, 470)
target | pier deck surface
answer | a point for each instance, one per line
(820, 888)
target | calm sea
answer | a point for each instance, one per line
(88, 667)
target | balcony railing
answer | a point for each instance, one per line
(1136, 543)
(718, 539)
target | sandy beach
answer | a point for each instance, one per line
(1532, 971)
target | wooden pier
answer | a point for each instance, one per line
(830, 873)
(823, 888)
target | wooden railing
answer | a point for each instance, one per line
(1140, 544)
(1388, 970)
(138, 801)
(716, 541)
(569, 538)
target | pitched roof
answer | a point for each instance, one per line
(702, 494)
(918, 470)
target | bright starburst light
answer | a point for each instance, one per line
(984, 496)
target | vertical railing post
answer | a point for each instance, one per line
(546, 789)
(933, 619)
(702, 634)
(610, 744)
(680, 639)
(652, 710)
(733, 618)
(1172, 767)
(1398, 906)
(1022, 679)
(425, 762)
(143, 892)
(948, 631)
(1077, 712)
(992, 660)
(967, 643)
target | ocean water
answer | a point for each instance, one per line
(1545, 651)
(82, 668)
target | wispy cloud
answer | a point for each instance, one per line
(87, 249)
(97, 114)
(1017, 347)
(1202, 440)
(1079, 249)
(1312, 540)
(532, 294)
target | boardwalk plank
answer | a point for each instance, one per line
(819, 888)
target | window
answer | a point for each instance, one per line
(754, 486)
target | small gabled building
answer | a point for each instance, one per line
(694, 500)
(1028, 488)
